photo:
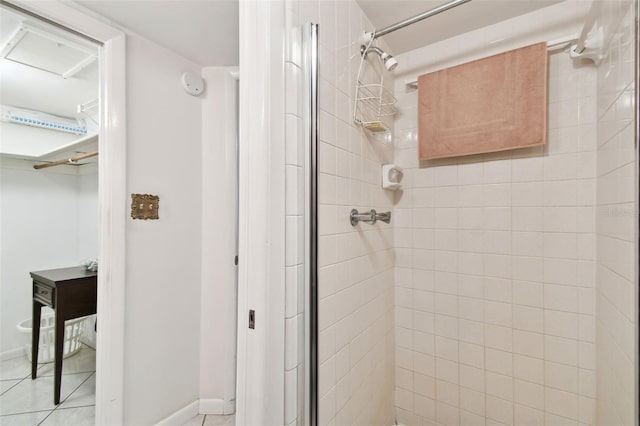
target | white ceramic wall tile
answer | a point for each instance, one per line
(356, 312)
(523, 222)
(528, 368)
(514, 347)
(296, 12)
(529, 394)
(472, 401)
(614, 318)
(290, 404)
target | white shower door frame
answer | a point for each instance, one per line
(112, 200)
(261, 269)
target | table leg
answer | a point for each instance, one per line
(35, 337)
(58, 356)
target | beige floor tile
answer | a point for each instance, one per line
(211, 420)
(195, 421)
(15, 368)
(5, 385)
(81, 416)
(83, 396)
(28, 419)
(37, 395)
(82, 362)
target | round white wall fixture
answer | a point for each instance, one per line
(192, 83)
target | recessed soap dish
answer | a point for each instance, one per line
(391, 176)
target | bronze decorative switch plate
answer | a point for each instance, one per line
(144, 206)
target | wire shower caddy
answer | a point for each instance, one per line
(374, 104)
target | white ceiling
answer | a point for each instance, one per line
(204, 31)
(25, 86)
(32, 88)
(459, 20)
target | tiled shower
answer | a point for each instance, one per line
(504, 291)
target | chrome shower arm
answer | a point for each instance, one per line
(364, 50)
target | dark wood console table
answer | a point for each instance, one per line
(72, 293)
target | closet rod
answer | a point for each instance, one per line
(71, 161)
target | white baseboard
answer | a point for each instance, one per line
(229, 407)
(181, 416)
(12, 353)
(199, 406)
(211, 406)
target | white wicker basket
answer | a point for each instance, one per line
(73, 330)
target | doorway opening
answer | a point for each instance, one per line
(61, 198)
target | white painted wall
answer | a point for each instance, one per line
(88, 211)
(40, 229)
(164, 258)
(87, 225)
(219, 215)
(162, 308)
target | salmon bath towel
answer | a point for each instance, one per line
(488, 105)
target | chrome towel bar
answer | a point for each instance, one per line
(371, 216)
